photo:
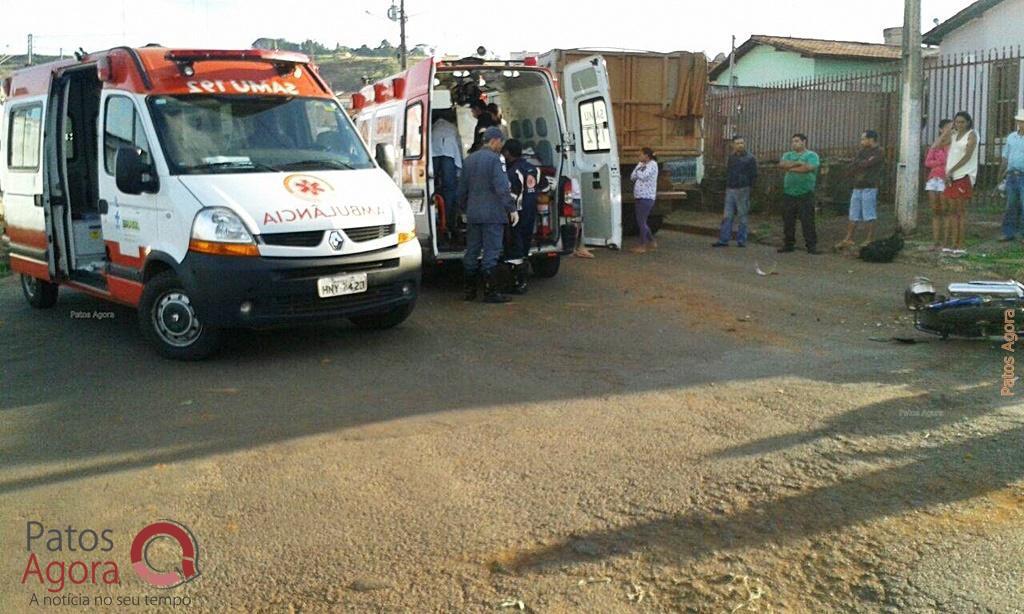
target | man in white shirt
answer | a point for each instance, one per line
(446, 150)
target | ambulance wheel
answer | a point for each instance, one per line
(40, 294)
(169, 322)
(384, 320)
(545, 266)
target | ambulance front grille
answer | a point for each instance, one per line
(310, 238)
(369, 233)
(309, 304)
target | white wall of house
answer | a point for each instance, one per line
(1000, 26)
(969, 88)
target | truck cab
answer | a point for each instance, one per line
(210, 189)
(396, 115)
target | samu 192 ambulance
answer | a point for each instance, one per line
(209, 189)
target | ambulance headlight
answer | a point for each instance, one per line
(405, 222)
(221, 225)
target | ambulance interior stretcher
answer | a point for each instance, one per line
(529, 114)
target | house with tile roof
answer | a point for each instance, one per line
(763, 60)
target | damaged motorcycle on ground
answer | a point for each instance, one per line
(974, 309)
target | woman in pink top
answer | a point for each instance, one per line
(936, 185)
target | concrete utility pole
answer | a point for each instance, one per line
(908, 175)
(397, 13)
(30, 49)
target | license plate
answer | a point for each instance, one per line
(340, 285)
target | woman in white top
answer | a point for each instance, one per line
(645, 190)
(961, 174)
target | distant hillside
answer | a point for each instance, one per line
(345, 74)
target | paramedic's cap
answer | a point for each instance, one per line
(493, 133)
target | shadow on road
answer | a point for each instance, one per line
(950, 473)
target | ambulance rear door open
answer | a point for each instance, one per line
(595, 158)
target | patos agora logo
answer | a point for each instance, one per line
(186, 572)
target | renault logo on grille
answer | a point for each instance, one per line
(336, 240)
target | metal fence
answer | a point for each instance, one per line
(987, 85)
(834, 111)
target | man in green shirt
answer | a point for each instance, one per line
(801, 166)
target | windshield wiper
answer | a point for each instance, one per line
(338, 164)
(232, 165)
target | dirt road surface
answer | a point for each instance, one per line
(670, 432)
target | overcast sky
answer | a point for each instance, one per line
(453, 26)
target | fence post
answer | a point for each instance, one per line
(908, 174)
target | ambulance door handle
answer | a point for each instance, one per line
(104, 206)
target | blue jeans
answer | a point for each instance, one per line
(737, 204)
(483, 246)
(446, 184)
(644, 206)
(1014, 204)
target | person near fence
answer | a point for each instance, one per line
(935, 161)
(961, 174)
(801, 166)
(867, 178)
(645, 190)
(1012, 176)
(740, 176)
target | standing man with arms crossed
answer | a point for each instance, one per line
(1012, 171)
(740, 178)
(867, 177)
(801, 166)
(486, 196)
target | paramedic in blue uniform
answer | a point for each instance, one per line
(486, 197)
(527, 182)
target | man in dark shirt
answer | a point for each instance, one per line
(867, 177)
(484, 120)
(740, 178)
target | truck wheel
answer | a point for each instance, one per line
(385, 320)
(40, 294)
(169, 322)
(545, 266)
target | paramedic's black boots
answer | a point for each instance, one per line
(491, 294)
(518, 279)
(469, 286)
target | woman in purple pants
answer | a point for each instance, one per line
(645, 189)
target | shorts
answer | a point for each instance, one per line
(962, 188)
(935, 184)
(864, 205)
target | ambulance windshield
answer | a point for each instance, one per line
(205, 134)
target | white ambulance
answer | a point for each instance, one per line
(210, 189)
(396, 115)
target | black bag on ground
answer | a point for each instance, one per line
(882, 250)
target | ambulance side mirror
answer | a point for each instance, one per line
(132, 173)
(387, 157)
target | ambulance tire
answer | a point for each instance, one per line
(164, 298)
(40, 294)
(545, 267)
(384, 320)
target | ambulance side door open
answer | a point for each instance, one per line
(595, 158)
(130, 221)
